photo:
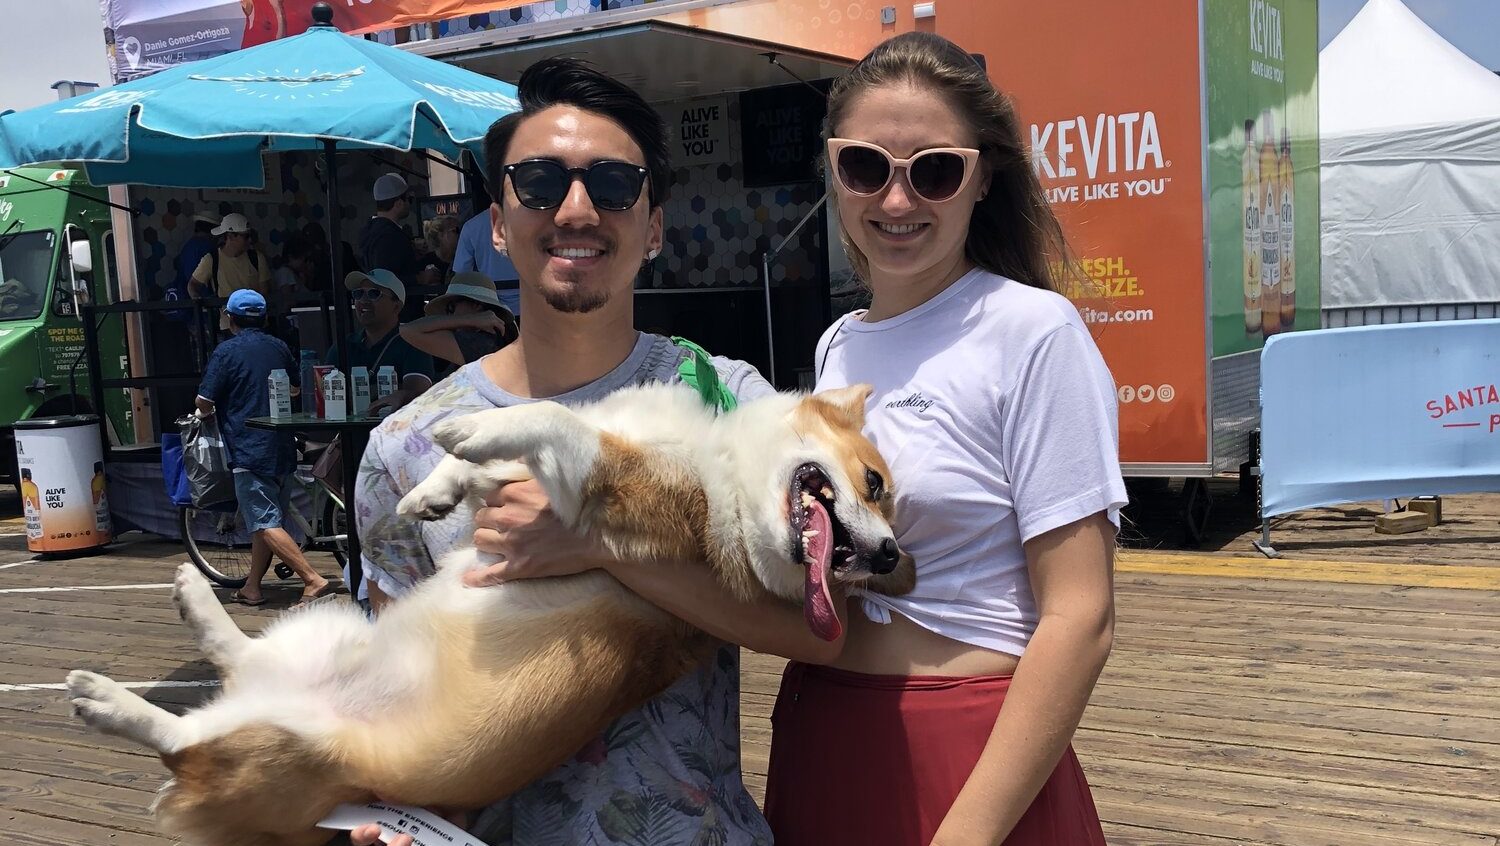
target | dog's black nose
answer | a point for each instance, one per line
(884, 560)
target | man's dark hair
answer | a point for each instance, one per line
(570, 82)
(245, 321)
(387, 205)
(203, 227)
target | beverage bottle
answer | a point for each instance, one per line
(1270, 232)
(309, 383)
(31, 505)
(335, 396)
(1250, 229)
(385, 381)
(97, 487)
(359, 389)
(279, 386)
(320, 373)
(1285, 175)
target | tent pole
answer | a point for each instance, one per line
(335, 259)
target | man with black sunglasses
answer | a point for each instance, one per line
(579, 176)
(378, 297)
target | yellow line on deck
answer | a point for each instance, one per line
(1303, 570)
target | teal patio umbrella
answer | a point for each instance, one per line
(207, 124)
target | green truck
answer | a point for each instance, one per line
(56, 255)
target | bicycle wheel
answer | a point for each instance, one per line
(217, 544)
(336, 523)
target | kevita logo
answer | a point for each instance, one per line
(1107, 145)
(1265, 30)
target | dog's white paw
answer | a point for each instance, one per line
(106, 706)
(97, 700)
(190, 588)
(461, 436)
(433, 499)
(438, 494)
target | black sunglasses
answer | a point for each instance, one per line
(543, 184)
(372, 294)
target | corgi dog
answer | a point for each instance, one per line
(458, 696)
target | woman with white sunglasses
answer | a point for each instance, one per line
(947, 714)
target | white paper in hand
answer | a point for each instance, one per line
(425, 828)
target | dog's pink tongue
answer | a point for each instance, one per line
(817, 603)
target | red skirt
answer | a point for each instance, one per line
(879, 760)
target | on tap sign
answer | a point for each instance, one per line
(700, 132)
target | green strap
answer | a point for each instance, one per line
(697, 371)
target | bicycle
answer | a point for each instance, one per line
(219, 546)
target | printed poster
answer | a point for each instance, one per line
(1263, 170)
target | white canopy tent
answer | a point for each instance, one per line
(1410, 136)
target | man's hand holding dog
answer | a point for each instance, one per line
(518, 523)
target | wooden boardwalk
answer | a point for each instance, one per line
(1317, 702)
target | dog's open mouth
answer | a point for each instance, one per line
(821, 543)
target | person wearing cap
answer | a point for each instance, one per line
(378, 297)
(235, 389)
(234, 265)
(384, 241)
(465, 324)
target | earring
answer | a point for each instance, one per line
(502, 251)
(652, 254)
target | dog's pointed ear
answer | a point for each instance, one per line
(850, 400)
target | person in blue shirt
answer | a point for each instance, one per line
(235, 388)
(476, 251)
(193, 250)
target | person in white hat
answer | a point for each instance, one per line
(466, 323)
(384, 241)
(378, 296)
(233, 265)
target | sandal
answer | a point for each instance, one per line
(309, 598)
(237, 597)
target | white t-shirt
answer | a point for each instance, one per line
(997, 416)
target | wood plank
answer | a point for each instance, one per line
(1375, 721)
(1245, 758)
(24, 828)
(1320, 571)
(1432, 603)
(1289, 798)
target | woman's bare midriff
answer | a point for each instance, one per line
(903, 648)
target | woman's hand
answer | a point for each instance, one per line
(488, 321)
(518, 523)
